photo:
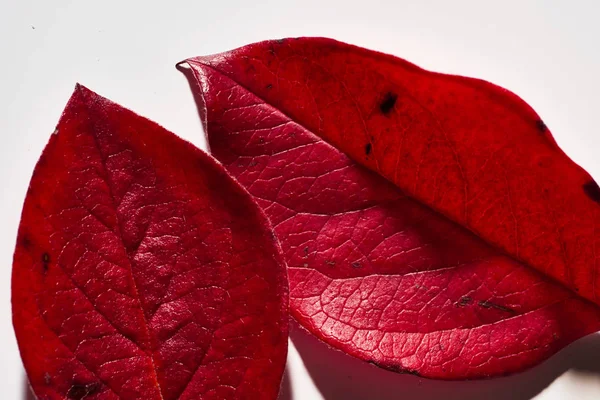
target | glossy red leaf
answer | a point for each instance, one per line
(372, 271)
(142, 270)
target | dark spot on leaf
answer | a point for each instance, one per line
(305, 250)
(489, 304)
(94, 388)
(47, 378)
(25, 241)
(80, 391)
(592, 190)
(45, 262)
(252, 163)
(330, 263)
(541, 126)
(269, 86)
(388, 102)
(368, 148)
(279, 41)
(356, 264)
(465, 300)
(77, 392)
(485, 304)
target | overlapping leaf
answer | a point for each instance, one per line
(483, 270)
(142, 271)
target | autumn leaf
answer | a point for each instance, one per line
(142, 270)
(468, 252)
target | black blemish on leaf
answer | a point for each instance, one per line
(269, 86)
(489, 304)
(25, 241)
(305, 250)
(80, 391)
(356, 264)
(252, 163)
(465, 300)
(592, 190)
(279, 41)
(77, 392)
(368, 148)
(541, 126)
(45, 262)
(93, 388)
(388, 102)
(47, 378)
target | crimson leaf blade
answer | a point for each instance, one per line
(142, 270)
(372, 271)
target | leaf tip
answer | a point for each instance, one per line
(81, 94)
(82, 90)
(182, 66)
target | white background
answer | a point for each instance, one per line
(545, 51)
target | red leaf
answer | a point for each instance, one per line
(373, 272)
(142, 271)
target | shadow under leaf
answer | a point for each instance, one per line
(285, 392)
(27, 392)
(339, 376)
